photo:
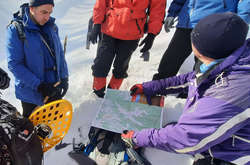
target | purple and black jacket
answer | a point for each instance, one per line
(216, 116)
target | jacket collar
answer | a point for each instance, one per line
(228, 62)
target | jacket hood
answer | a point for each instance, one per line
(23, 15)
(239, 60)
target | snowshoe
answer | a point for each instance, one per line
(52, 122)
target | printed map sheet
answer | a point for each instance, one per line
(118, 113)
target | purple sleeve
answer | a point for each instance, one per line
(169, 85)
(208, 124)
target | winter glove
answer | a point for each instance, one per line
(169, 22)
(127, 137)
(4, 79)
(148, 42)
(63, 87)
(145, 56)
(48, 90)
(96, 32)
(136, 89)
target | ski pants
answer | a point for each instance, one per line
(28, 108)
(177, 52)
(111, 49)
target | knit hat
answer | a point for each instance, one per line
(218, 35)
(34, 3)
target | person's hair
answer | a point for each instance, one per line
(35, 3)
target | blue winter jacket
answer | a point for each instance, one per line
(30, 60)
(216, 116)
(189, 12)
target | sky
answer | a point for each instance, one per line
(72, 18)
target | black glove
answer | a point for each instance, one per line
(4, 79)
(148, 42)
(169, 23)
(96, 31)
(64, 86)
(48, 90)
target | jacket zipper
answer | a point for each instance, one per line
(191, 11)
(136, 20)
(193, 6)
(225, 4)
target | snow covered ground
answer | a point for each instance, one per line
(72, 18)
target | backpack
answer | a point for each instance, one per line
(19, 144)
(17, 22)
(107, 148)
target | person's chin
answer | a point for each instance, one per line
(42, 23)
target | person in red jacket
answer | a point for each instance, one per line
(120, 23)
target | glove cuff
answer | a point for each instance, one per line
(97, 26)
(40, 87)
(151, 35)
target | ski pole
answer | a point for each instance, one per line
(135, 157)
(65, 44)
(90, 26)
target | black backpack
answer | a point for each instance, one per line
(110, 143)
(19, 143)
(17, 22)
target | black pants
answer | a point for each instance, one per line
(28, 108)
(177, 52)
(109, 50)
(210, 161)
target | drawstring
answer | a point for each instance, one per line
(233, 141)
(217, 80)
(212, 157)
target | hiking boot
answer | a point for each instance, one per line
(99, 86)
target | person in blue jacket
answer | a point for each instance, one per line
(189, 12)
(35, 55)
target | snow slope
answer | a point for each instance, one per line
(72, 18)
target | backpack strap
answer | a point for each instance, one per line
(20, 30)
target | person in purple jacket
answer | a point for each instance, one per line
(215, 123)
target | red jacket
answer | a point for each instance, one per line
(125, 19)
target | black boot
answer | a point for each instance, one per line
(100, 93)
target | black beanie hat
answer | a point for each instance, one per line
(34, 3)
(218, 35)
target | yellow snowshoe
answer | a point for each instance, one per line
(52, 122)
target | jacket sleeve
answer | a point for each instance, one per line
(156, 16)
(16, 59)
(210, 122)
(243, 10)
(169, 85)
(99, 11)
(175, 7)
